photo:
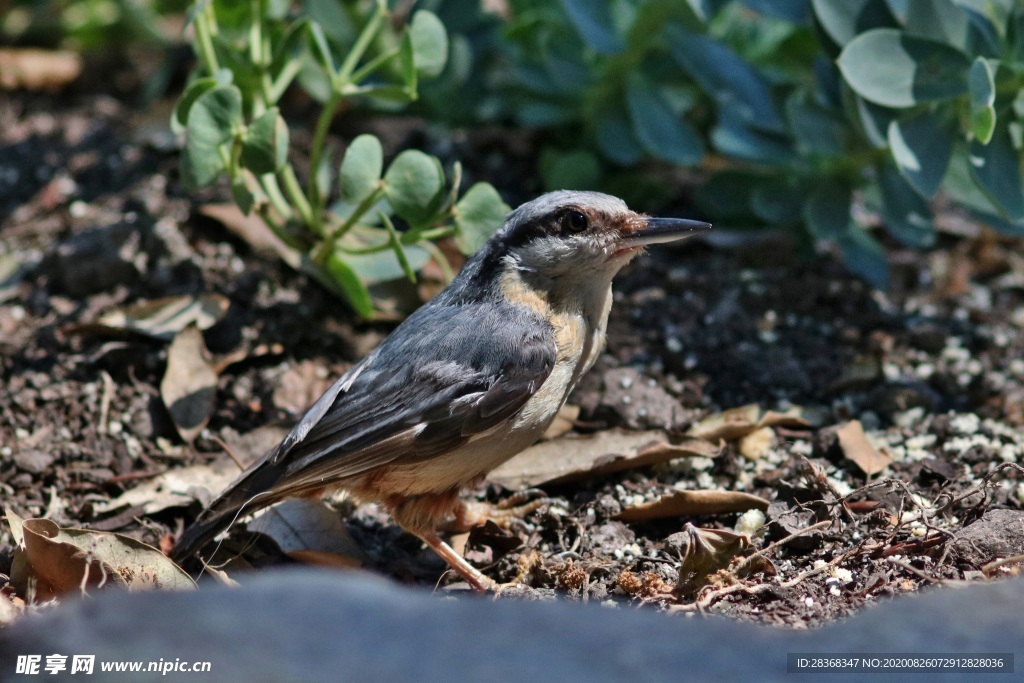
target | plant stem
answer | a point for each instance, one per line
(294, 190)
(372, 65)
(440, 259)
(323, 125)
(326, 248)
(204, 31)
(362, 43)
(269, 185)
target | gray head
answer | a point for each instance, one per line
(570, 236)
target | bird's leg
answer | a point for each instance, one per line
(421, 516)
(467, 571)
(504, 513)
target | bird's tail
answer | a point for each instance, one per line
(252, 491)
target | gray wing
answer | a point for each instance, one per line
(445, 375)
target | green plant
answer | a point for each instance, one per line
(800, 112)
(250, 53)
(87, 24)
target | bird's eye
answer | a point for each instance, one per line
(574, 221)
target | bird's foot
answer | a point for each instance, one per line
(505, 513)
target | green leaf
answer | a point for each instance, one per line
(593, 21)
(212, 122)
(921, 147)
(893, 69)
(396, 246)
(843, 20)
(215, 116)
(870, 119)
(412, 183)
(353, 289)
(983, 97)
(361, 168)
(429, 43)
(242, 196)
(325, 174)
(199, 165)
(193, 92)
(727, 197)
(827, 210)
(616, 141)
(996, 169)
(733, 137)
(265, 144)
(407, 64)
(907, 215)
(721, 73)
(939, 20)
(865, 257)
(778, 202)
(576, 169)
(478, 215)
(817, 130)
(660, 132)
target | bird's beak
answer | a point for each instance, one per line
(658, 230)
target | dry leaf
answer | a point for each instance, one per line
(300, 385)
(737, 423)
(571, 459)
(563, 422)
(691, 503)
(253, 230)
(176, 487)
(34, 69)
(189, 384)
(309, 531)
(50, 561)
(164, 318)
(856, 447)
(757, 443)
(705, 552)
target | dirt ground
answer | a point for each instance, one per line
(93, 219)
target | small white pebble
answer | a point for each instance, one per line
(842, 575)
(808, 601)
(114, 427)
(673, 344)
(818, 564)
(967, 423)
(801, 448)
(78, 209)
(626, 382)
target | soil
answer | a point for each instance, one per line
(93, 219)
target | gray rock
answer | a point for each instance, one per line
(307, 625)
(998, 534)
(98, 259)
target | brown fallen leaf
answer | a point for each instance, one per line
(163, 318)
(34, 69)
(571, 459)
(253, 230)
(563, 422)
(705, 552)
(737, 423)
(690, 503)
(309, 531)
(50, 561)
(856, 447)
(300, 385)
(177, 487)
(189, 384)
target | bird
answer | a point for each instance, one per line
(470, 379)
